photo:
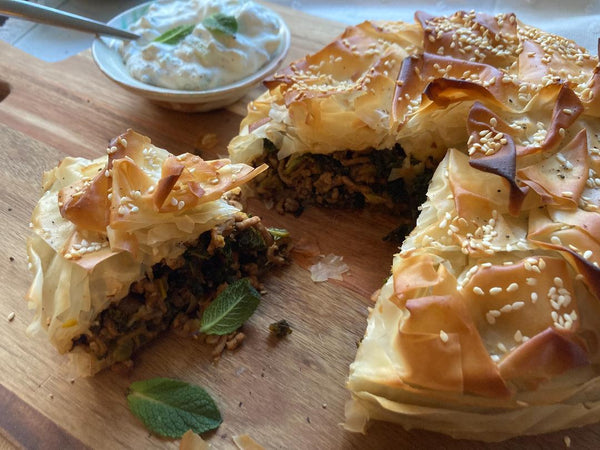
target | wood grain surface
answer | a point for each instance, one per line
(286, 394)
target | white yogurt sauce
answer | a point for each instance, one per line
(204, 59)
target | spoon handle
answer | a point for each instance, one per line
(50, 16)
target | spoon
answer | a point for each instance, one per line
(50, 16)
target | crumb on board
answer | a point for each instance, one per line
(329, 267)
(227, 341)
(245, 442)
(280, 328)
(567, 440)
(193, 441)
(208, 141)
(11, 316)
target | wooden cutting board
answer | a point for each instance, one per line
(288, 394)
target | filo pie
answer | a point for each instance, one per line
(130, 244)
(489, 325)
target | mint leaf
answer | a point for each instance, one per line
(221, 23)
(171, 407)
(230, 309)
(175, 35)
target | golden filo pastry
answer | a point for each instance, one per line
(489, 325)
(135, 242)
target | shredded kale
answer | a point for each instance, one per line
(418, 188)
(250, 239)
(269, 146)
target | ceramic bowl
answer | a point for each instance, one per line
(109, 61)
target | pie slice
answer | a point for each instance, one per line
(135, 242)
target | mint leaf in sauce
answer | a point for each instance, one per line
(175, 35)
(170, 407)
(230, 309)
(221, 23)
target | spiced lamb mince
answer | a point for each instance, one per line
(488, 326)
(130, 244)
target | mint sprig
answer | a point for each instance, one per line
(175, 35)
(221, 23)
(170, 407)
(230, 309)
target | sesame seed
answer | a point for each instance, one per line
(495, 290)
(478, 291)
(181, 204)
(587, 254)
(517, 305)
(534, 297)
(558, 281)
(502, 347)
(174, 201)
(506, 308)
(11, 316)
(443, 336)
(512, 287)
(518, 337)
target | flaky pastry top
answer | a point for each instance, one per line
(385, 82)
(490, 322)
(101, 224)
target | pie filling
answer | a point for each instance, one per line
(175, 292)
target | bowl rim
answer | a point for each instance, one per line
(101, 45)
